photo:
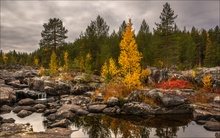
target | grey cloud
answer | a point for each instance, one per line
(21, 21)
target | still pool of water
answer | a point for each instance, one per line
(97, 126)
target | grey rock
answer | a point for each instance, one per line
(137, 108)
(49, 111)
(97, 108)
(17, 109)
(24, 113)
(110, 110)
(64, 114)
(6, 109)
(181, 109)
(64, 123)
(36, 84)
(39, 106)
(26, 101)
(51, 117)
(7, 94)
(82, 112)
(69, 107)
(212, 126)
(27, 93)
(17, 84)
(112, 101)
(9, 120)
(169, 100)
(80, 89)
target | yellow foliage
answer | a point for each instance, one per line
(41, 71)
(5, 58)
(193, 73)
(83, 63)
(36, 61)
(113, 89)
(109, 71)
(144, 74)
(66, 61)
(53, 64)
(207, 81)
(87, 64)
(129, 58)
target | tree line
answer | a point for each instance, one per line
(164, 47)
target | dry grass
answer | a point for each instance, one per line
(202, 97)
(113, 89)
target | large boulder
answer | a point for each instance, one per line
(110, 110)
(27, 93)
(39, 108)
(112, 101)
(170, 100)
(9, 120)
(56, 88)
(64, 123)
(26, 101)
(7, 94)
(158, 76)
(24, 113)
(17, 109)
(212, 126)
(137, 108)
(80, 89)
(82, 112)
(96, 108)
(5, 109)
(17, 84)
(36, 84)
(69, 107)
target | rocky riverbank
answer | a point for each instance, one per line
(24, 93)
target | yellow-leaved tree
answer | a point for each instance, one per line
(129, 58)
(36, 61)
(66, 61)
(53, 63)
(109, 70)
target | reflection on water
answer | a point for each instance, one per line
(103, 126)
(35, 119)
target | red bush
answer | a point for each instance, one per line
(174, 83)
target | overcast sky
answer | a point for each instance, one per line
(22, 21)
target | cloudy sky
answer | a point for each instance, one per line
(22, 20)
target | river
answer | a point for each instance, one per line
(104, 126)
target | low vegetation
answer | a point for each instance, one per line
(174, 84)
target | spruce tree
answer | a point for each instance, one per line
(143, 41)
(210, 53)
(166, 47)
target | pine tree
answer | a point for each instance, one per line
(166, 47)
(53, 64)
(53, 35)
(129, 58)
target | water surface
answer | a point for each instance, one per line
(103, 126)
